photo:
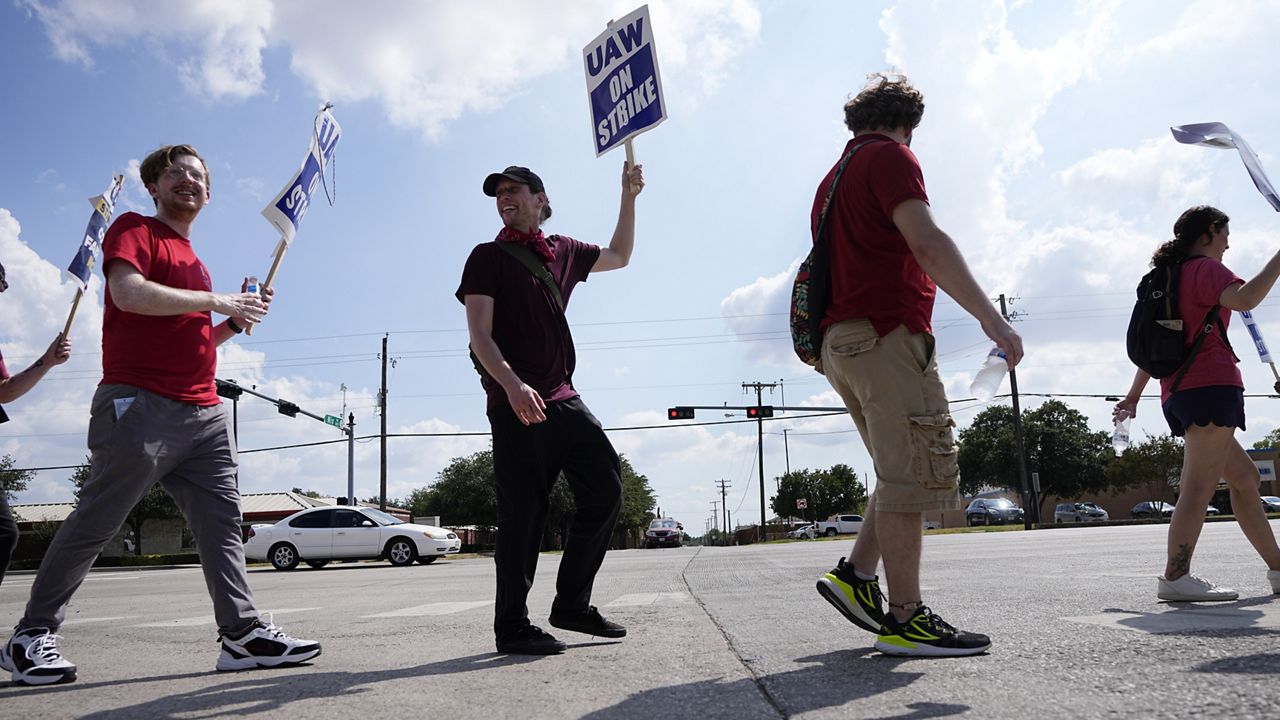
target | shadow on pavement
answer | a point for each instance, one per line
(828, 682)
(1256, 664)
(1197, 618)
(268, 690)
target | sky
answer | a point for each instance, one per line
(1045, 149)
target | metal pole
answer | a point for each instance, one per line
(382, 469)
(786, 448)
(351, 458)
(1017, 435)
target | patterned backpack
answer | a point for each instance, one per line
(811, 291)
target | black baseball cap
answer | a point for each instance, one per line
(522, 175)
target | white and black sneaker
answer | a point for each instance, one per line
(264, 645)
(32, 657)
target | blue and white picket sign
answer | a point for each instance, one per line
(104, 205)
(290, 205)
(1217, 135)
(1256, 334)
(624, 88)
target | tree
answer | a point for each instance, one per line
(1071, 459)
(1155, 463)
(1272, 440)
(306, 493)
(155, 504)
(13, 481)
(826, 492)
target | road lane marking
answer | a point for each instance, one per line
(83, 621)
(634, 599)
(440, 608)
(207, 619)
(1180, 618)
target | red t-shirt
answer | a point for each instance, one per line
(526, 322)
(1200, 284)
(4, 371)
(169, 355)
(874, 275)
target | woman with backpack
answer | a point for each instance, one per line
(1204, 401)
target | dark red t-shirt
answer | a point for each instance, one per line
(1200, 284)
(4, 371)
(169, 355)
(526, 324)
(873, 273)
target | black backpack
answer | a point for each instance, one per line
(1155, 339)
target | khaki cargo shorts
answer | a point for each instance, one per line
(890, 385)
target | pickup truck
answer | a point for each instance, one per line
(839, 525)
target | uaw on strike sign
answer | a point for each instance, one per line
(623, 85)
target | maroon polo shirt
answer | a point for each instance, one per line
(873, 272)
(527, 325)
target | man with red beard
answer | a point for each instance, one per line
(157, 418)
(515, 290)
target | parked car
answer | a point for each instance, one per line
(319, 535)
(1146, 510)
(992, 511)
(663, 532)
(839, 525)
(1271, 503)
(1211, 510)
(807, 532)
(1079, 512)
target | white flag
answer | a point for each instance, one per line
(1217, 135)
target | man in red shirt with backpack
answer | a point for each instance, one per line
(886, 254)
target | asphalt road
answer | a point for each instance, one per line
(714, 633)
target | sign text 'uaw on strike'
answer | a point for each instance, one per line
(623, 84)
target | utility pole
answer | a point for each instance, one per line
(715, 514)
(786, 447)
(382, 403)
(724, 487)
(1027, 496)
(351, 458)
(759, 387)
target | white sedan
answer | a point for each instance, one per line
(321, 534)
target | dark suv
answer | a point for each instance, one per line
(992, 511)
(1153, 509)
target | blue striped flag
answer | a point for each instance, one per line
(104, 206)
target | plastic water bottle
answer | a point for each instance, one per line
(989, 376)
(253, 285)
(1120, 436)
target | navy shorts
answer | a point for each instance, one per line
(1221, 405)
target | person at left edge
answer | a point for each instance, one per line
(156, 417)
(12, 388)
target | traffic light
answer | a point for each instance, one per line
(228, 390)
(287, 408)
(760, 411)
(680, 413)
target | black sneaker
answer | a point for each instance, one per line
(32, 657)
(858, 600)
(264, 645)
(530, 640)
(587, 621)
(927, 635)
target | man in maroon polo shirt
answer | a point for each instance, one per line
(540, 425)
(886, 253)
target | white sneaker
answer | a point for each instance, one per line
(1274, 577)
(32, 657)
(1190, 588)
(265, 645)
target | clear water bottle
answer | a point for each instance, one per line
(989, 376)
(1120, 436)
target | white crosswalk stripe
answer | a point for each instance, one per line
(1181, 618)
(85, 621)
(440, 608)
(207, 618)
(634, 599)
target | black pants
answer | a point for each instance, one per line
(526, 463)
(8, 534)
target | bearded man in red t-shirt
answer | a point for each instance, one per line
(157, 418)
(886, 254)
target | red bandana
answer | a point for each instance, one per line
(535, 240)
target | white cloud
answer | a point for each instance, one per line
(426, 63)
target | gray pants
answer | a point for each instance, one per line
(187, 449)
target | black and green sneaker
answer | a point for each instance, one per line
(858, 600)
(927, 635)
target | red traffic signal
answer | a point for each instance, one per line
(760, 411)
(680, 413)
